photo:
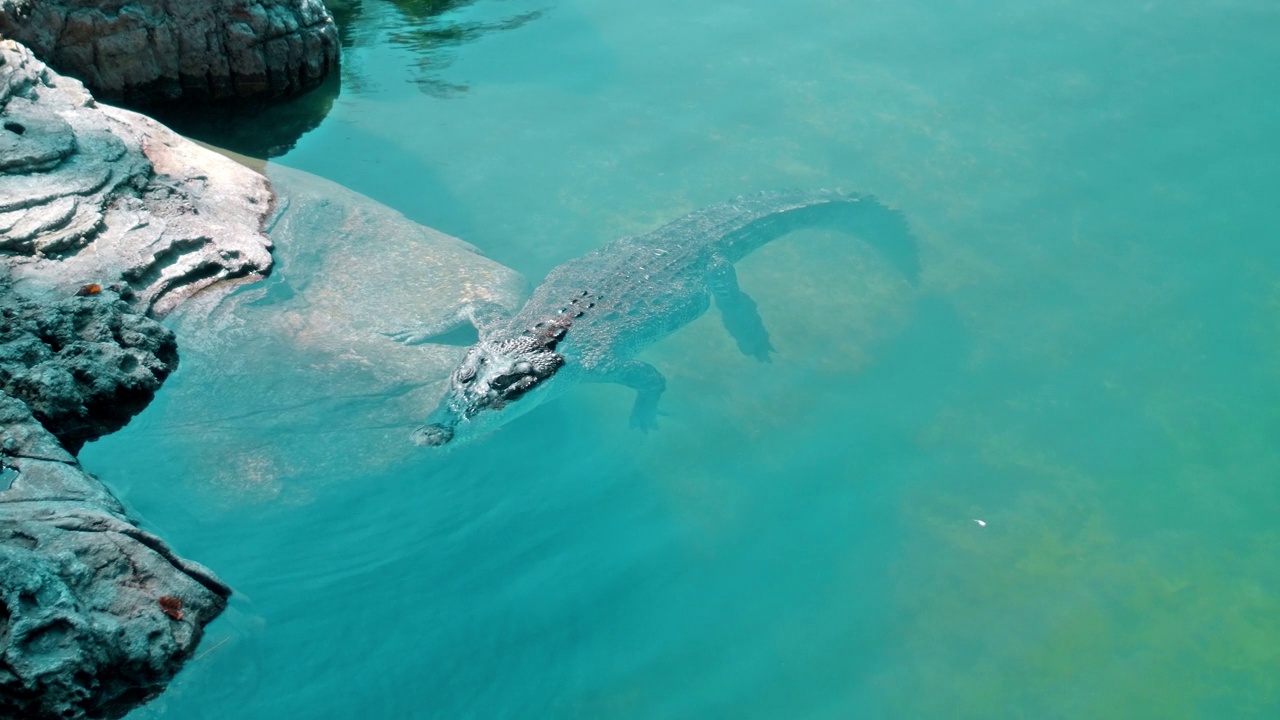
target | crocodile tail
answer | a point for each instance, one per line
(743, 225)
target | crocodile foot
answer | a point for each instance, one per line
(433, 435)
(757, 347)
(644, 419)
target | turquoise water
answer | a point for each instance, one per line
(1090, 366)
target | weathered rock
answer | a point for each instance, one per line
(94, 194)
(83, 365)
(96, 615)
(157, 51)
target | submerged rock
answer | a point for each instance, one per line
(146, 52)
(95, 194)
(353, 274)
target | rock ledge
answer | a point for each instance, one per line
(146, 52)
(94, 194)
(106, 218)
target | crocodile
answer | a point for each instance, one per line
(591, 316)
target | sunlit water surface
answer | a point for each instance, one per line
(1090, 366)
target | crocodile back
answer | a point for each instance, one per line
(633, 291)
(623, 296)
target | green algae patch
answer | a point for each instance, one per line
(1065, 605)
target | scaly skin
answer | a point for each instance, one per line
(592, 315)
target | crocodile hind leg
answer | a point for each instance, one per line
(645, 380)
(738, 311)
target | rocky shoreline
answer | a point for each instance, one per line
(110, 221)
(107, 220)
(96, 614)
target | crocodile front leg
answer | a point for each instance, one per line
(645, 380)
(738, 311)
(479, 314)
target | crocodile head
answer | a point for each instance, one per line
(496, 373)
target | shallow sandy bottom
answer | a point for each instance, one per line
(1089, 366)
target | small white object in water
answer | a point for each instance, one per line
(981, 523)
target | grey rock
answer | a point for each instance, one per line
(105, 218)
(96, 614)
(90, 193)
(33, 141)
(83, 365)
(158, 51)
